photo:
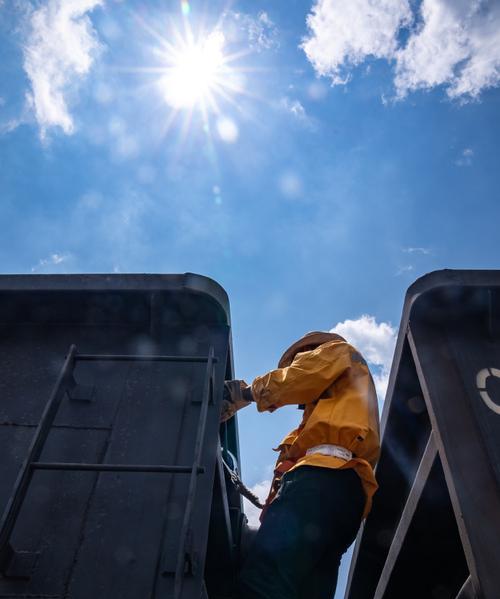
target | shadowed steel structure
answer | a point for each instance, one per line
(434, 531)
(112, 481)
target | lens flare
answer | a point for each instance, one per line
(227, 130)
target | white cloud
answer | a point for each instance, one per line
(47, 264)
(417, 250)
(414, 252)
(376, 341)
(465, 157)
(297, 111)
(402, 269)
(260, 489)
(59, 51)
(294, 107)
(10, 125)
(12, 120)
(452, 43)
(260, 31)
(458, 45)
(343, 34)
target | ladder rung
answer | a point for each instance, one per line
(114, 467)
(139, 358)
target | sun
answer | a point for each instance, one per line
(195, 71)
(199, 73)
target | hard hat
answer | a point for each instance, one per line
(314, 338)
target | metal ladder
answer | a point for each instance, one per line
(66, 384)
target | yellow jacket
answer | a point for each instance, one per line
(334, 383)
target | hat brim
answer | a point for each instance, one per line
(317, 338)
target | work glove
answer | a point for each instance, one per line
(237, 395)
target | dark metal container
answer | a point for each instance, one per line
(111, 481)
(434, 531)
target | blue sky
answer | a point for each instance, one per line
(348, 149)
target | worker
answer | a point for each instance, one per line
(323, 481)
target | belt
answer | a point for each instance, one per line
(335, 451)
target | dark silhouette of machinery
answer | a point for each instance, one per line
(434, 531)
(113, 480)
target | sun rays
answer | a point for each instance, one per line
(194, 75)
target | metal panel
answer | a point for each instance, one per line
(448, 356)
(129, 519)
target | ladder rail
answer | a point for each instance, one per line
(24, 477)
(207, 398)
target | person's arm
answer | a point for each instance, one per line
(305, 379)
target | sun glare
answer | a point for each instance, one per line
(194, 72)
(197, 74)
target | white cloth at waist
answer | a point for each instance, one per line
(335, 451)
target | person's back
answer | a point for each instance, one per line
(323, 482)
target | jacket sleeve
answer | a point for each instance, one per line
(305, 379)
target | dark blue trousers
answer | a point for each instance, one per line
(311, 523)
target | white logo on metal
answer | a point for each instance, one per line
(481, 378)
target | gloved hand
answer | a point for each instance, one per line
(237, 395)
